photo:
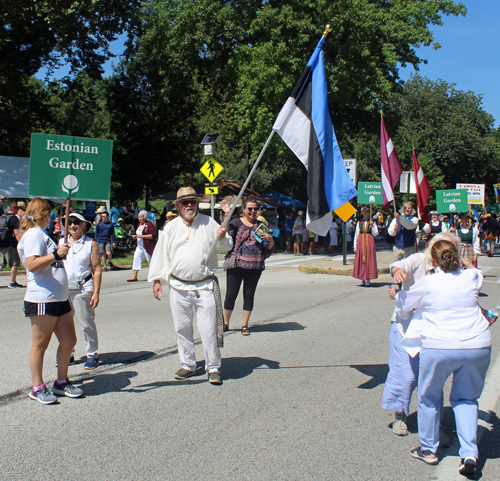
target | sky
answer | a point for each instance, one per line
(469, 56)
(470, 53)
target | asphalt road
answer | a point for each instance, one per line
(301, 398)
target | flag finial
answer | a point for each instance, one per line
(328, 29)
(413, 143)
(381, 113)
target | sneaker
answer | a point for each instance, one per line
(91, 363)
(362, 283)
(43, 395)
(14, 285)
(214, 377)
(367, 283)
(184, 374)
(66, 389)
(399, 427)
(467, 466)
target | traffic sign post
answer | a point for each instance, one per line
(211, 188)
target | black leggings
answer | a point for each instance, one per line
(234, 277)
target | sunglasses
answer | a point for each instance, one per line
(189, 202)
(74, 222)
(251, 209)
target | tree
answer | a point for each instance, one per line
(45, 33)
(242, 58)
(454, 137)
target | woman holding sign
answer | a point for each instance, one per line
(252, 244)
(365, 261)
(46, 302)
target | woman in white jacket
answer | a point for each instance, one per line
(455, 339)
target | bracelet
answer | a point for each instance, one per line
(56, 256)
(225, 215)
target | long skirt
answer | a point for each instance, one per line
(365, 262)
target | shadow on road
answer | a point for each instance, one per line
(124, 357)
(377, 372)
(277, 327)
(240, 367)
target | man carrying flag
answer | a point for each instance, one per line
(304, 123)
(391, 166)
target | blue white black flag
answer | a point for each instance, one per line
(304, 123)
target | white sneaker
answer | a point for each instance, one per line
(399, 427)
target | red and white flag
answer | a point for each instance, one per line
(423, 189)
(391, 166)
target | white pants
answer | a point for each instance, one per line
(80, 301)
(491, 245)
(139, 255)
(182, 304)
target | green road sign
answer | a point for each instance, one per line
(452, 201)
(74, 167)
(370, 193)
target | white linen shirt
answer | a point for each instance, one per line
(410, 224)
(181, 251)
(449, 312)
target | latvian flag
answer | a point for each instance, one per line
(423, 189)
(391, 166)
(497, 192)
(304, 123)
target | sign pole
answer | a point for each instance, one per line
(344, 242)
(66, 221)
(212, 204)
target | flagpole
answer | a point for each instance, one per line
(327, 30)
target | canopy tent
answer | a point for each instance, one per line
(228, 190)
(285, 200)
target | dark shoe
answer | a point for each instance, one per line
(214, 377)
(184, 374)
(467, 466)
(66, 389)
(245, 331)
(91, 363)
(225, 328)
(14, 285)
(111, 265)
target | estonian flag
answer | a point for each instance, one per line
(304, 123)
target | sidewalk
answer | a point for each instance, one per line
(336, 266)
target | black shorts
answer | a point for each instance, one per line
(54, 309)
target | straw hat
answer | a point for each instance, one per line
(185, 193)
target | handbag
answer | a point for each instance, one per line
(230, 262)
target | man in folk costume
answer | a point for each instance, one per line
(365, 261)
(403, 229)
(435, 226)
(180, 260)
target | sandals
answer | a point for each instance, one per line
(225, 328)
(245, 331)
(417, 453)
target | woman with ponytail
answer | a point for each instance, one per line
(452, 331)
(46, 302)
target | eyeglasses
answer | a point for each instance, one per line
(251, 209)
(189, 202)
(75, 222)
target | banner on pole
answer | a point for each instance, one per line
(451, 201)
(370, 193)
(70, 167)
(475, 193)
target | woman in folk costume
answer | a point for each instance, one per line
(470, 239)
(435, 226)
(365, 262)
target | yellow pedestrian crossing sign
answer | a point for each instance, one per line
(211, 190)
(211, 169)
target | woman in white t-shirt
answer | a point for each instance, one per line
(83, 267)
(453, 332)
(46, 302)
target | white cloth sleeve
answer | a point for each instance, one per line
(393, 227)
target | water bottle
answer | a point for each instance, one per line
(493, 313)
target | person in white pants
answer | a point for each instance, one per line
(84, 271)
(145, 246)
(181, 260)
